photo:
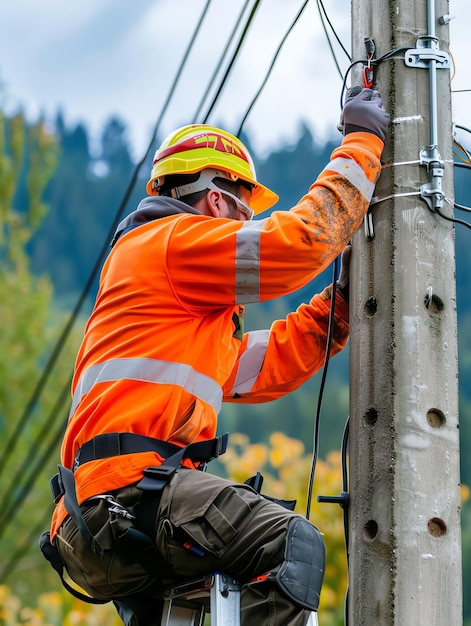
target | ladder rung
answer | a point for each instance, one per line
(187, 604)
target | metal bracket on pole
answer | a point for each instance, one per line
(428, 55)
(427, 50)
(432, 192)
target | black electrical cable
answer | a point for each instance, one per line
(329, 43)
(320, 5)
(345, 78)
(272, 64)
(32, 465)
(452, 219)
(465, 128)
(32, 538)
(345, 490)
(11, 444)
(466, 166)
(345, 439)
(372, 62)
(330, 333)
(461, 207)
(232, 61)
(219, 63)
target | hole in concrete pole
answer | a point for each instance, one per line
(371, 306)
(371, 416)
(436, 527)
(433, 303)
(436, 418)
(370, 529)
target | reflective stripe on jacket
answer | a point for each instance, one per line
(164, 345)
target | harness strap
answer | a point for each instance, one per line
(73, 509)
(136, 541)
(114, 444)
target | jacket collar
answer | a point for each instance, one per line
(149, 209)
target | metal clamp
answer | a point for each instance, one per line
(432, 192)
(427, 50)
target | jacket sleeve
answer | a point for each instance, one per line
(255, 261)
(272, 363)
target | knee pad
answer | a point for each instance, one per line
(301, 573)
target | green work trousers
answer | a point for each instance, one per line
(204, 524)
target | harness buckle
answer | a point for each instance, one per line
(156, 477)
(159, 471)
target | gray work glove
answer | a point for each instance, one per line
(344, 276)
(364, 112)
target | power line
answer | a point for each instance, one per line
(320, 5)
(270, 68)
(330, 333)
(32, 466)
(219, 63)
(12, 562)
(323, 15)
(232, 61)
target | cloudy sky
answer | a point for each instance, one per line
(97, 58)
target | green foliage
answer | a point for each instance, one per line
(84, 197)
(24, 298)
(54, 609)
(29, 328)
(286, 468)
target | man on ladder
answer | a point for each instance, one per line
(165, 345)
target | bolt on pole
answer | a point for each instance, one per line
(404, 531)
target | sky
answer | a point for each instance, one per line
(95, 59)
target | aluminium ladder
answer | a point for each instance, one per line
(218, 595)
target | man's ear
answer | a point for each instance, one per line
(213, 199)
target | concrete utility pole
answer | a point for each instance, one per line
(405, 546)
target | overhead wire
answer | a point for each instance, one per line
(270, 68)
(232, 61)
(455, 220)
(330, 332)
(320, 6)
(27, 474)
(323, 16)
(11, 563)
(219, 63)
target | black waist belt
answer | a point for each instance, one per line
(116, 444)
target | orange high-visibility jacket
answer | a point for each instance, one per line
(164, 345)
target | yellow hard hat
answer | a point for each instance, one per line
(198, 147)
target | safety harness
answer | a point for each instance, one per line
(138, 539)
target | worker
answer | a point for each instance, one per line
(165, 346)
